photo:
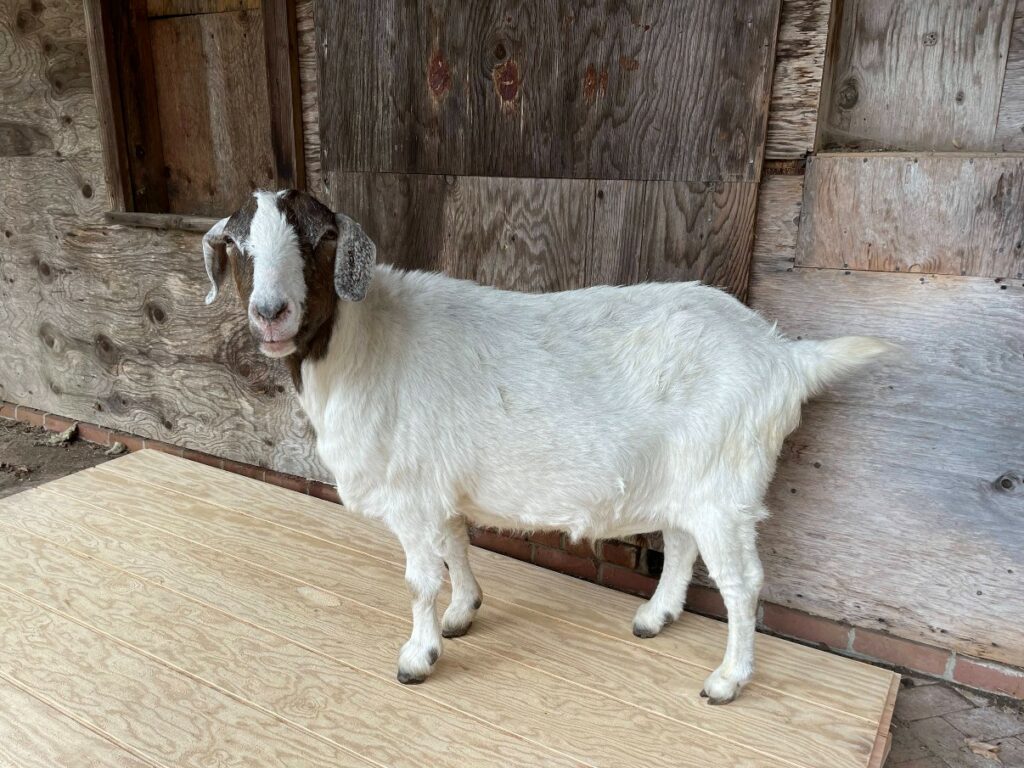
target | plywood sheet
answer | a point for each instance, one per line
(947, 214)
(916, 74)
(535, 88)
(186, 584)
(1010, 126)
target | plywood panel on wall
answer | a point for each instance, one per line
(915, 74)
(948, 214)
(212, 93)
(1010, 126)
(537, 88)
(555, 234)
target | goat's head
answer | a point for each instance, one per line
(292, 259)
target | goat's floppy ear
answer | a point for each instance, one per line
(215, 254)
(354, 260)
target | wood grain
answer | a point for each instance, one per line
(901, 470)
(878, 212)
(166, 716)
(779, 204)
(796, 84)
(156, 8)
(35, 735)
(284, 105)
(214, 115)
(305, 34)
(624, 671)
(594, 729)
(323, 696)
(337, 535)
(533, 90)
(1010, 125)
(916, 74)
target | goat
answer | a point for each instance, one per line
(603, 412)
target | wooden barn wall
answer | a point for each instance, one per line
(898, 503)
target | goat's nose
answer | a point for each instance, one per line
(270, 311)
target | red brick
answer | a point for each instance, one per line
(246, 470)
(618, 553)
(547, 538)
(579, 548)
(131, 442)
(291, 482)
(903, 653)
(29, 416)
(496, 542)
(803, 626)
(203, 458)
(625, 580)
(56, 423)
(563, 562)
(324, 491)
(8, 410)
(94, 434)
(704, 600)
(159, 445)
(989, 677)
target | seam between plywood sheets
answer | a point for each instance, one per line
(514, 606)
(248, 622)
(91, 727)
(482, 650)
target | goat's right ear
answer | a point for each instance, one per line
(215, 254)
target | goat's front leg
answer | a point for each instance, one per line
(466, 594)
(424, 572)
(666, 604)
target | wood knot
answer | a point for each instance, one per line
(439, 75)
(506, 82)
(930, 38)
(1008, 481)
(849, 95)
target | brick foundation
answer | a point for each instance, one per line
(626, 566)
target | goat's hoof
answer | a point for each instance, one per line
(451, 632)
(719, 689)
(408, 679)
(645, 632)
(647, 626)
(714, 700)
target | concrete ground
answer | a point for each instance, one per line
(935, 725)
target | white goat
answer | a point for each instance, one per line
(602, 412)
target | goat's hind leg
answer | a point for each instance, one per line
(666, 604)
(466, 594)
(729, 549)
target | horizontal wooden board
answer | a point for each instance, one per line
(157, 8)
(554, 234)
(1010, 126)
(211, 85)
(320, 611)
(922, 75)
(946, 214)
(536, 89)
(908, 467)
(796, 84)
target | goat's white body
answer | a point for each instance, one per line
(602, 412)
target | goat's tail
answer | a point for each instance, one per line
(821, 363)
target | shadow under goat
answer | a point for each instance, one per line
(603, 412)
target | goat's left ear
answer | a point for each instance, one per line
(354, 260)
(215, 254)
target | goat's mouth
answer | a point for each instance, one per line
(278, 347)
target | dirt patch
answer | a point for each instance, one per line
(28, 459)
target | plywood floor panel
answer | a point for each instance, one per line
(626, 671)
(827, 680)
(292, 610)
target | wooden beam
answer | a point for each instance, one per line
(106, 86)
(280, 41)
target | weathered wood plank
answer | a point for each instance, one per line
(214, 114)
(916, 74)
(258, 666)
(157, 8)
(880, 212)
(529, 89)
(595, 730)
(199, 224)
(139, 702)
(35, 735)
(908, 467)
(779, 203)
(284, 102)
(799, 61)
(309, 94)
(1010, 126)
